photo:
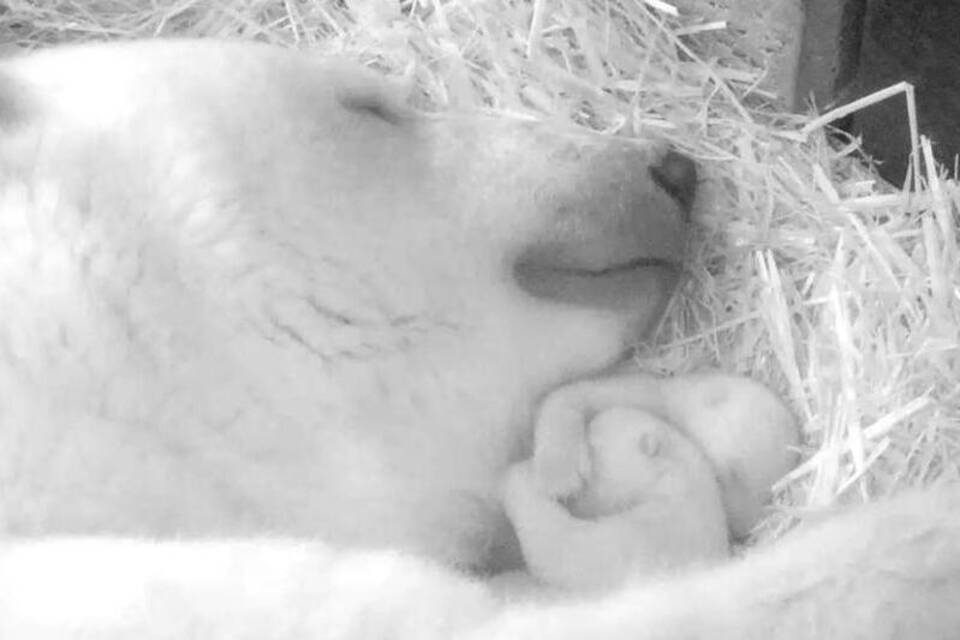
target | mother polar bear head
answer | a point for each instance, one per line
(247, 289)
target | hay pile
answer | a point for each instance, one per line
(809, 272)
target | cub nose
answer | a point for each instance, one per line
(677, 175)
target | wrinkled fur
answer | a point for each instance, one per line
(267, 344)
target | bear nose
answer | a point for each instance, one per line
(677, 175)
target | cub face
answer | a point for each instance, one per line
(258, 292)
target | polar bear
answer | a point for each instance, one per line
(246, 290)
(268, 341)
(649, 503)
(746, 431)
(634, 475)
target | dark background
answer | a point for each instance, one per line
(883, 42)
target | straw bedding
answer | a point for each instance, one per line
(807, 272)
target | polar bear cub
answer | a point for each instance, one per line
(650, 503)
(639, 497)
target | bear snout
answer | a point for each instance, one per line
(617, 228)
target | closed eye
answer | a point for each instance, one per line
(375, 101)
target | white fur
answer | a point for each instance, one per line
(243, 293)
(649, 504)
(744, 429)
(233, 305)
